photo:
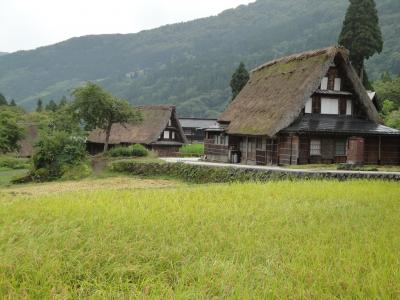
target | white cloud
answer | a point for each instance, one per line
(27, 24)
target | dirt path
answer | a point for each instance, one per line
(89, 185)
(98, 164)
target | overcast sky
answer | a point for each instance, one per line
(28, 24)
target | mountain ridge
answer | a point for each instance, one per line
(188, 64)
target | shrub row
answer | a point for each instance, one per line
(14, 163)
(208, 174)
(131, 151)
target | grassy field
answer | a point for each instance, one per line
(312, 240)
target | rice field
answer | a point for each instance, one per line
(288, 240)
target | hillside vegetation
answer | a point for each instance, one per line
(189, 64)
(287, 240)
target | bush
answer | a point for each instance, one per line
(192, 150)
(136, 150)
(351, 167)
(77, 172)
(13, 163)
(195, 174)
(55, 153)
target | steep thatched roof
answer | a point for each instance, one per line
(148, 131)
(278, 91)
(26, 144)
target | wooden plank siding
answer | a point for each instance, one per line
(390, 150)
(214, 152)
(288, 149)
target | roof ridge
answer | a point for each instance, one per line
(301, 55)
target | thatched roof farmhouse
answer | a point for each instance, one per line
(160, 131)
(304, 108)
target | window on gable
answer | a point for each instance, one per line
(324, 83)
(349, 109)
(315, 147)
(329, 106)
(338, 84)
(173, 135)
(308, 108)
(166, 134)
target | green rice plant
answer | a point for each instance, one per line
(279, 240)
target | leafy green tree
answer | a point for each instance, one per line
(99, 109)
(361, 33)
(393, 119)
(239, 79)
(55, 153)
(39, 105)
(3, 100)
(12, 103)
(11, 132)
(51, 106)
(385, 77)
(389, 90)
(387, 107)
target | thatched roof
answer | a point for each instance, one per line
(148, 131)
(278, 91)
(26, 144)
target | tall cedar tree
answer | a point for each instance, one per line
(99, 109)
(361, 34)
(51, 106)
(239, 80)
(39, 105)
(3, 100)
(12, 103)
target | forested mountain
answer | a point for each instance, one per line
(189, 64)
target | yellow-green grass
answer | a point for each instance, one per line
(285, 240)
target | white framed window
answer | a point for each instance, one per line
(324, 83)
(169, 122)
(338, 84)
(308, 108)
(349, 108)
(315, 147)
(173, 135)
(329, 106)
(166, 134)
(221, 139)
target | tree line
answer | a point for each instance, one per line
(63, 127)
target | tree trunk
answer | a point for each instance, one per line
(362, 72)
(108, 132)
